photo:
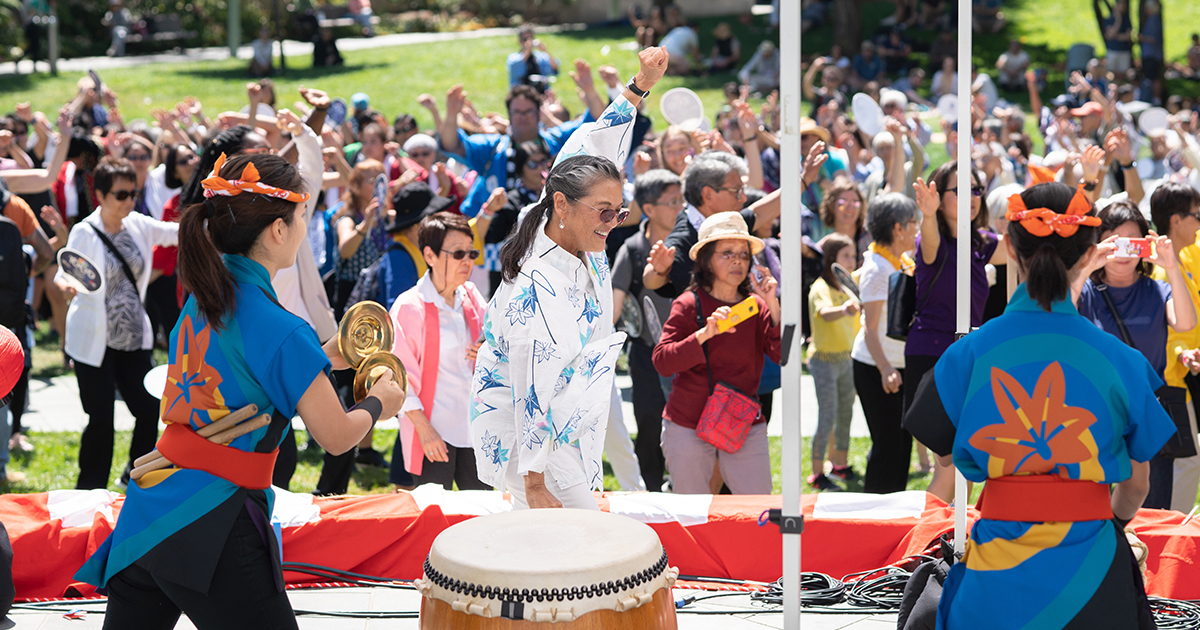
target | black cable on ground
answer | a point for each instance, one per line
(1171, 614)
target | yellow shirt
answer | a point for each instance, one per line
(1177, 342)
(831, 340)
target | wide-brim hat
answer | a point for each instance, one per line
(808, 125)
(413, 203)
(723, 225)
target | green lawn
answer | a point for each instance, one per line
(53, 465)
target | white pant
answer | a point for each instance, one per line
(578, 496)
(619, 448)
(1187, 474)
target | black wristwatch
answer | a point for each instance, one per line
(637, 90)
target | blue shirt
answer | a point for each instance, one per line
(1043, 393)
(264, 355)
(397, 274)
(517, 66)
(489, 153)
(1143, 308)
(867, 69)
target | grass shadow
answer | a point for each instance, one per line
(293, 72)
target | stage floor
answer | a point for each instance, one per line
(381, 599)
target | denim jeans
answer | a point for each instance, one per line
(834, 383)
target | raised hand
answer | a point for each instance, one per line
(653, 63)
(1091, 161)
(495, 201)
(661, 258)
(582, 75)
(641, 163)
(747, 121)
(24, 112)
(426, 101)
(928, 199)
(813, 161)
(455, 97)
(1163, 251)
(609, 75)
(288, 121)
(316, 98)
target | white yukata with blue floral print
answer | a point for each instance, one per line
(545, 372)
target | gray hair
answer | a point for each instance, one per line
(736, 162)
(574, 177)
(887, 211)
(419, 141)
(650, 186)
(704, 172)
(882, 139)
(889, 97)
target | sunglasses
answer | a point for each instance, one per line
(406, 128)
(539, 165)
(976, 191)
(732, 255)
(608, 214)
(122, 195)
(141, 157)
(462, 253)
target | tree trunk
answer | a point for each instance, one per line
(848, 25)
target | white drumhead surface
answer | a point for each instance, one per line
(545, 548)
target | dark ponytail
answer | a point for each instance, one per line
(228, 142)
(230, 225)
(574, 177)
(1047, 259)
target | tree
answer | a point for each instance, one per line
(848, 25)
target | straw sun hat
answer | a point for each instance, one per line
(723, 225)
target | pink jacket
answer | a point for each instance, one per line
(412, 318)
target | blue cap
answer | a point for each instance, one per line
(360, 101)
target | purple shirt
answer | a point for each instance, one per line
(933, 330)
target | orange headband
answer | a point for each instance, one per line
(248, 182)
(1044, 221)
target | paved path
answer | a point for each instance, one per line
(291, 48)
(380, 599)
(54, 406)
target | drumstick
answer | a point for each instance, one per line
(220, 438)
(229, 420)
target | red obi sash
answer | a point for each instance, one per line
(1043, 498)
(186, 449)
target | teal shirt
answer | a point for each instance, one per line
(263, 355)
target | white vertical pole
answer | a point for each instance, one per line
(792, 305)
(963, 260)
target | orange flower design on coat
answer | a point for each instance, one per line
(192, 384)
(1039, 432)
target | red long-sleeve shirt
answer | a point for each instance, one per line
(736, 357)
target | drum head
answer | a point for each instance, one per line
(79, 269)
(546, 561)
(1152, 120)
(868, 115)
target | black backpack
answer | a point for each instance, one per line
(14, 272)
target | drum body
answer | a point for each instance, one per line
(565, 569)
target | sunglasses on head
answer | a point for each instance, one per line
(459, 254)
(122, 195)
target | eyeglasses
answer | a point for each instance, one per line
(976, 191)
(459, 254)
(678, 202)
(140, 157)
(608, 214)
(538, 165)
(523, 112)
(848, 202)
(122, 195)
(732, 255)
(737, 192)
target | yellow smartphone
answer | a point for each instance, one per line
(740, 312)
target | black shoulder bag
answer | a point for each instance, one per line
(902, 300)
(108, 244)
(1173, 399)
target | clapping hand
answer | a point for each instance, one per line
(661, 258)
